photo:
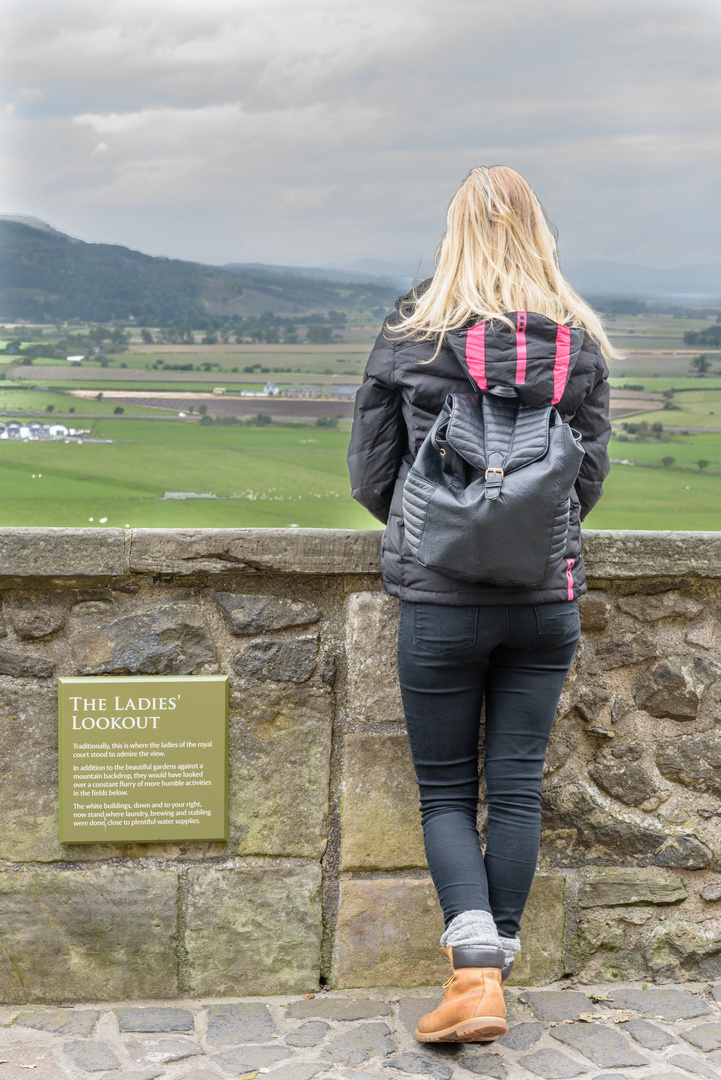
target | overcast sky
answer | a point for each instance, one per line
(322, 132)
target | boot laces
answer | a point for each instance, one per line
(448, 982)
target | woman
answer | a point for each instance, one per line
(462, 644)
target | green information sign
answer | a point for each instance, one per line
(143, 758)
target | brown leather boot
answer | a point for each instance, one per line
(472, 1009)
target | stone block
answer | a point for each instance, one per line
(380, 818)
(160, 1051)
(154, 1020)
(245, 1059)
(693, 1065)
(79, 935)
(60, 1021)
(626, 781)
(705, 1036)
(308, 1034)
(371, 647)
(540, 959)
(692, 760)
(593, 703)
(279, 769)
(259, 919)
(251, 613)
(620, 650)
(290, 659)
(668, 1005)
(666, 605)
(647, 1034)
(578, 831)
(682, 949)
(55, 553)
(339, 1008)
(28, 775)
(521, 1036)
(605, 1046)
(551, 1064)
(633, 885)
(168, 639)
(360, 1043)
(594, 608)
(674, 688)
(556, 1006)
(711, 893)
(25, 665)
(388, 933)
(627, 553)
(253, 551)
(34, 621)
(91, 1056)
(245, 1022)
(419, 1064)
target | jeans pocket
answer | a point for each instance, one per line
(441, 629)
(561, 618)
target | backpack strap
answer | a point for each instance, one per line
(499, 417)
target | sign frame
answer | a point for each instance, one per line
(118, 734)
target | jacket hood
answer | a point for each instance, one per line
(533, 361)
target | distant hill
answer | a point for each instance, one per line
(46, 275)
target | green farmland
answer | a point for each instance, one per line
(286, 474)
(280, 476)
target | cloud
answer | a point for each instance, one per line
(330, 131)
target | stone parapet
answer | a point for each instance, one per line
(323, 877)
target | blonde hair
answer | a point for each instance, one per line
(498, 255)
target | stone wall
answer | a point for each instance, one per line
(323, 877)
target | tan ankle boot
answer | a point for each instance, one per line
(472, 1009)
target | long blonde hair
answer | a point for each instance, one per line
(498, 255)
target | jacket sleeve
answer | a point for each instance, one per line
(378, 438)
(592, 421)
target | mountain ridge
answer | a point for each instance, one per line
(46, 275)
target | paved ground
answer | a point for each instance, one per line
(602, 1033)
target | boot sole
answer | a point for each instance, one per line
(477, 1029)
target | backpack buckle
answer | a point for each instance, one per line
(493, 482)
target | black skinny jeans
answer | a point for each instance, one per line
(449, 658)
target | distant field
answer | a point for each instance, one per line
(279, 476)
(24, 401)
(295, 474)
(698, 408)
(657, 499)
(687, 450)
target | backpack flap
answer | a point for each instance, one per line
(495, 434)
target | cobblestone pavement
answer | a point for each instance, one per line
(600, 1033)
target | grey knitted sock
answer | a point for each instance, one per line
(472, 928)
(510, 946)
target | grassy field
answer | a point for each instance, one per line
(14, 402)
(637, 498)
(280, 477)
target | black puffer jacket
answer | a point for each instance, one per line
(400, 398)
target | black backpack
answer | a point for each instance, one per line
(488, 496)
